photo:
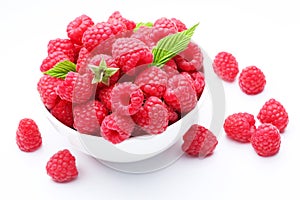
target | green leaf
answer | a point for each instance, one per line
(171, 45)
(138, 25)
(61, 69)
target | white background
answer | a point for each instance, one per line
(261, 33)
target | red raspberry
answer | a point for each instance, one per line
(130, 53)
(52, 59)
(144, 34)
(76, 88)
(61, 167)
(252, 80)
(89, 116)
(179, 24)
(63, 45)
(165, 24)
(197, 81)
(173, 115)
(199, 141)
(77, 48)
(153, 81)
(240, 126)
(28, 135)
(180, 94)
(153, 116)
(104, 96)
(266, 140)
(77, 27)
(82, 61)
(126, 98)
(274, 113)
(116, 128)
(225, 66)
(191, 59)
(130, 25)
(158, 33)
(47, 87)
(117, 26)
(63, 112)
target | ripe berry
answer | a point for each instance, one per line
(274, 113)
(63, 111)
(179, 24)
(130, 25)
(225, 66)
(266, 140)
(196, 79)
(61, 167)
(252, 80)
(104, 96)
(52, 59)
(199, 141)
(28, 136)
(165, 23)
(82, 61)
(63, 45)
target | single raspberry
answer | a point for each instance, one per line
(153, 117)
(117, 128)
(130, 25)
(61, 167)
(191, 59)
(173, 115)
(63, 45)
(52, 59)
(47, 87)
(126, 98)
(266, 140)
(226, 66)
(117, 27)
(96, 34)
(152, 81)
(63, 111)
(180, 94)
(104, 95)
(130, 53)
(165, 23)
(28, 136)
(240, 126)
(252, 80)
(76, 88)
(197, 81)
(89, 116)
(82, 61)
(199, 141)
(77, 27)
(179, 24)
(274, 113)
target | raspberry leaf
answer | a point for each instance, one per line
(171, 45)
(138, 25)
(61, 69)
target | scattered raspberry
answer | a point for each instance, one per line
(63, 45)
(252, 80)
(179, 24)
(240, 126)
(116, 128)
(199, 141)
(52, 59)
(126, 98)
(165, 23)
(104, 95)
(89, 116)
(130, 53)
(153, 117)
(61, 167)
(274, 113)
(225, 66)
(130, 25)
(266, 140)
(77, 27)
(46, 87)
(28, 136)
(63, 112)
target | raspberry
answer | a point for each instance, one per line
(180, 94)
(157, 33)
(252, 80)
(126, 98)
(130, 53)
(226, 66)
(240, 126)
(179, 24)
(173, 116)
(76, 88)
(153, 81)
(191, 59)
(81, 65)
(144, 34)
(199, 141)
(130, 25)
(89, 116)
(61, 167)
(165, 24)
(96, 34)
(105, 96)
(63, 112)
(77, 27)
(116, 128)
(274, 113)
(52, 59)
(266, 140)
(28, 136)
(63, 45)
(117, 26)
(153, 116)
(197, 81)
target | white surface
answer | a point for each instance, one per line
(262, 33)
